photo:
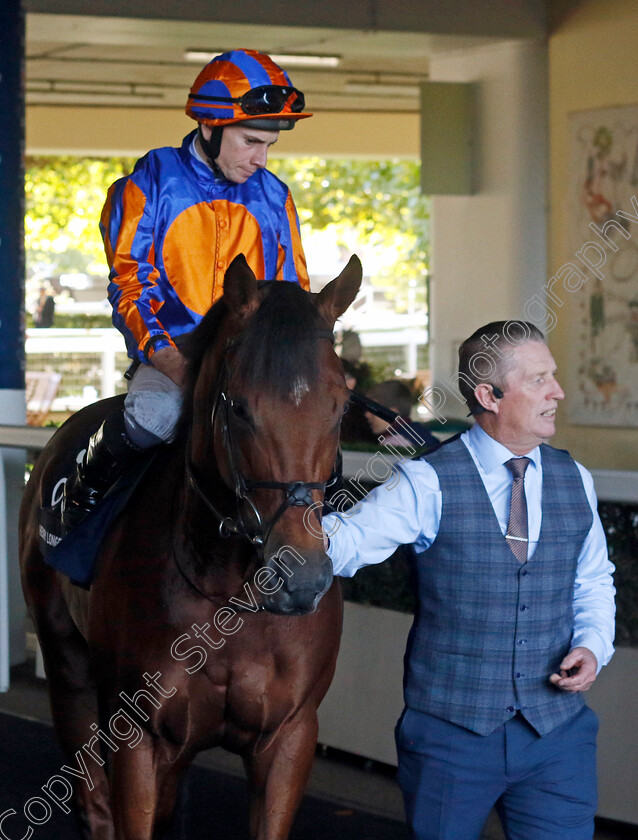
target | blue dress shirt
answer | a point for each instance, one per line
(406, 509)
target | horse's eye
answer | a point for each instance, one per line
(239, 410)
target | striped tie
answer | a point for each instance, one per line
(517, 526)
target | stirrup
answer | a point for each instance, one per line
(79, 500)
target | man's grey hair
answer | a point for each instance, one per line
(487, 356)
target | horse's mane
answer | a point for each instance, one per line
(277, 351)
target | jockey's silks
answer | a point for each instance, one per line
(171, 229)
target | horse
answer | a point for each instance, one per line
(213, 618)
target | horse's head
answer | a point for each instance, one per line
(268, 402)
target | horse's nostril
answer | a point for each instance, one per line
(311, 576)
(302, 602)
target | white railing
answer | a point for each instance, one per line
(99, 374)
(99, 371)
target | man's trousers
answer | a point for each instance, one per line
(543, 788)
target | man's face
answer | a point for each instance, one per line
(525, 416)
(243, 151)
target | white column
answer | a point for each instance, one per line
(489, 249)
(12, 607)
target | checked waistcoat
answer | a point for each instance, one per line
(490, 630)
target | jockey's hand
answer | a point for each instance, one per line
(171, 363)
(577, 670)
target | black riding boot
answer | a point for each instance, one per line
(109, 453)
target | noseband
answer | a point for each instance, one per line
(296, 493)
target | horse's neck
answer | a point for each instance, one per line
(208, 560)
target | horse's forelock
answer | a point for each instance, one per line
(276, 354)
(278, 351)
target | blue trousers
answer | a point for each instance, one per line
(543, 788)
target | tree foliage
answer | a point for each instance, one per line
(379, 201)
(64, 199)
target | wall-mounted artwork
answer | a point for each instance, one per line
(603, 219)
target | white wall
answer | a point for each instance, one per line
(489, 249)
(366, 696)
(615, 700)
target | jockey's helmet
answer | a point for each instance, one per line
(245, 86)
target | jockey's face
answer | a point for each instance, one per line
(243, 151)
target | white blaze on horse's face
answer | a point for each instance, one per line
(301, 388)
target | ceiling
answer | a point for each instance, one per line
(133, 62)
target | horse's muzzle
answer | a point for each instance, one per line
(292, 584)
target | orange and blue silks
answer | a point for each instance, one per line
(171, 229)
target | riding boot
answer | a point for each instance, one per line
(109, 452)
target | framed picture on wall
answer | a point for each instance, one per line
(603, 219)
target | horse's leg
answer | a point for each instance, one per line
(134, 790)
(144, 788)
(172, 810)
(277, 777)
(74, 705)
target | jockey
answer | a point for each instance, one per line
(171, 229)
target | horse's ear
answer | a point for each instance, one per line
(240, 287)
(333, 300)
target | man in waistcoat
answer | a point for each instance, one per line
(516, 606)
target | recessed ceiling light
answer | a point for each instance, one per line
(290, 60)
(307, 60)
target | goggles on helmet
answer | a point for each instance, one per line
(266, 99)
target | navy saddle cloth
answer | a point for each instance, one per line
(75, 554)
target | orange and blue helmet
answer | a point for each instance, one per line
(245, 86)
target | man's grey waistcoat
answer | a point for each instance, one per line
(489, 631)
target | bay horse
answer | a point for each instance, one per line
(213, 618)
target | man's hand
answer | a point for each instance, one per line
(577, 670)
(171, 363)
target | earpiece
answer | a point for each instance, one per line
(478, 409)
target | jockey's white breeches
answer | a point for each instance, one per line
(153, 406)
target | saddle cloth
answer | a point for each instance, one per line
(75, 554)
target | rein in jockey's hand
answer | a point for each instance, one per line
(171, 363)
(577, 670)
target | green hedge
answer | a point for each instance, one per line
(620, 522)
(79, 321)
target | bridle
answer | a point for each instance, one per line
(296, 493)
